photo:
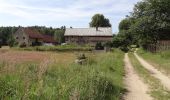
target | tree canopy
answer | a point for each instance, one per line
(99, 20)
(147, 23)
(125, 24)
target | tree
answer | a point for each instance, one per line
(149, 22)
(98, 20)
(125, 24)
(11, 41)
(122, 41)
(59, 35)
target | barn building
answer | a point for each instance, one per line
(89, 36)
(32, 37)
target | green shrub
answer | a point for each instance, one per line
(124, 48)
(99, 46)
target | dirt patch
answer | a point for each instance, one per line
(137, 89)
(23, 56)
(12, 56)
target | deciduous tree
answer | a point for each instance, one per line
(99, 20)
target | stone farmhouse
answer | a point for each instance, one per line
(89, 36)
(32, 37)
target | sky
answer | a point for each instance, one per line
(57, 13)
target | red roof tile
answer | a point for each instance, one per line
(33, 33)
(48, 39)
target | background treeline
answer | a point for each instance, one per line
(57, 33)
(147, 23)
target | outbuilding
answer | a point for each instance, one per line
(90, 36)
(32, 37)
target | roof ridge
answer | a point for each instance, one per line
(88, 28)
(103, 31)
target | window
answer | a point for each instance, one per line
(24, 38)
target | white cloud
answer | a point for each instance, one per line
(46, 11)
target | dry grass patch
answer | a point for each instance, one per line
(57, 77)
(12, 56)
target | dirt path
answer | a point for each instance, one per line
(157, 74)
(137, 90)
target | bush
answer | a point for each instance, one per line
(124, 48)
(108, 44)
(99, 46)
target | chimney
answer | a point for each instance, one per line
(97, 28)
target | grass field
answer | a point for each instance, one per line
(160, 60)
(58, 48)
(157, 91)
(54, 76)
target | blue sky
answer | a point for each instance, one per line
(55, 13)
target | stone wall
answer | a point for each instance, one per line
(21, 38)
(92, 40)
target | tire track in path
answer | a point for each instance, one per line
(154, 72)
(137, 89)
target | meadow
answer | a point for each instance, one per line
(160, 59)
(58, 48)
(32, 75)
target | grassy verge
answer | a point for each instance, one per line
(59, 48)
(156, 89)
(159, 60)
(101, 78)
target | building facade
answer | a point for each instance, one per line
(89, 36)
(31, 37)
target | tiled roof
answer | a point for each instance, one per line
(33, 33)
(102, 31)
(48, 39)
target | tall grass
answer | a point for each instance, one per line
(60, 48)
(160, 60)
(101, 78)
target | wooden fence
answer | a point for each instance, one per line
(160, 46)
